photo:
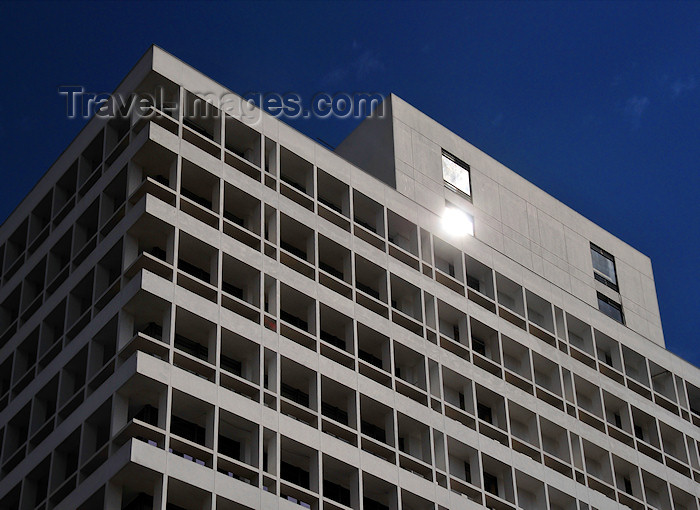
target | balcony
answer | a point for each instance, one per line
(411, 501)
(201, 124)
(194, 341)
(464, 469)
(628, 483)
(452, 325)
(598, 469)
(197, 267)
(373, 351)
(85, 233)
(200, 194)
(516, 360)
(378, 494)
(609, 357)
(148, 314)
(242, 216)
(298, 393)
(510, 300)
(240, 284)
(242, 146)
(407, 305)
(191, 429)
(656, 491)
(335, 266)
(297, 246)
(523, 428)
(64, 194)
(39, 224)
(458, 394)
(368, 216)
(298, 317)
(377, 427)
(333, 200)
(530, 492)
(637, 372)
(296, 179)
(548, 386)
(113, 203)
(560, 501)
(340, 485)
(58, 263)
(581, 341)
(491, 414)
(646, 433)
(158, 167)
(498, 484)
(414, 446)
(90, 164)
(540, 317)
(239, 362)
(403, 239)
(238, 447)
(339, 417)
(337, 336)
(662, 381)
(371, 285)
(449, 270)
(410, 372)
(299, 472)
(555, 445)
(617, 415)
(485, 347)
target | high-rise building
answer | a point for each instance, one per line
(202, 312)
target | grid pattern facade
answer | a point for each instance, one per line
(195, 314)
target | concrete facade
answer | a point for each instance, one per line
(205, 313)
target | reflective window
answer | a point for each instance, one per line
(456, 174)
(603, 266)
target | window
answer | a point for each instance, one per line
(610, 308)
(618, 421)
(484, 412)
(628, 485)
(294, 474)
(336, 492)
(604, 267)
(456, 174)
(490, 483)
(478, 346)
(638, 432)
(229, 447)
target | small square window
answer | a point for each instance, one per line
(610, 308)
(604, 267)
(456, 174)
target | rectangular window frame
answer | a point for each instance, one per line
(450, 185)
(601, 276)
(606, 301)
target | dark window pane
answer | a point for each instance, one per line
(604, 263)
(610, 308)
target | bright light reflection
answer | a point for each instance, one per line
(457, 222)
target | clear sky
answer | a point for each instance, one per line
(596, 103)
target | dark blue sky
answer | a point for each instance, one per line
(596, 103)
